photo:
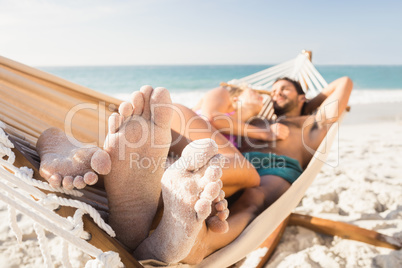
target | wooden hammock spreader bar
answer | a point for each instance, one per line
(345, 230)
(327, 227)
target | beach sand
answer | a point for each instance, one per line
(361, 185)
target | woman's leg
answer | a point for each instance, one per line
(187, 126)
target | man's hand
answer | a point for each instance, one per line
(279, 131)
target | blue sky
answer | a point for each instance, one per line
(44, 32)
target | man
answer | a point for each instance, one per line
(280, 163)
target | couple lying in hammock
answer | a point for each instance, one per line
(195, 222)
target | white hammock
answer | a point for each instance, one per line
(300, 69)
(71, 229)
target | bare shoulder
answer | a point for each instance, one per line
(215, 101)
(218, 92)
(218, 96)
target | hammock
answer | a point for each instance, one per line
(32, 101)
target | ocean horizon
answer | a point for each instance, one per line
(187, 83)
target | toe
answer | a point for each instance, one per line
(79, 182)
(198, 153)
(211, 191)
(82, 156)
(147, 92)
(101, 162)
(55, 180)
(221, 205)
(68, 182)
(90, 178)
(221, 195)
(44, 172)
(137, 101)
(223, 215)
(161, 107)
(115, 121)
(217, 226)
(212, 173)
(126, 109)
(203, 209)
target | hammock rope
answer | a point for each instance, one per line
(24, 178)
(300, 69)
(71, 229)
(12, 216)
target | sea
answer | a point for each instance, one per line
(187, 83)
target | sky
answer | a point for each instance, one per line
(123, 32)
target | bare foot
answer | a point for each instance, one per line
(189, 188)
(138, 142)
(67, 165)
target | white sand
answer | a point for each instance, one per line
(363, 186)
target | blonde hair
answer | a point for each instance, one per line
(236, 90)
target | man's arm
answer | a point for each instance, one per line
(337, 96)
(316, 102)
(331, 108)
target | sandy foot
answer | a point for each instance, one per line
(68, 165)
(189, 188)
(138, 142)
